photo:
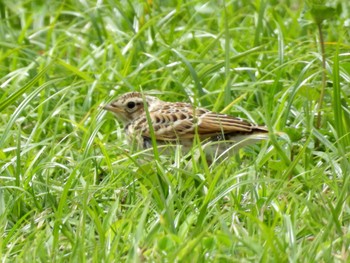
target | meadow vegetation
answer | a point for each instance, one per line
(71, 188)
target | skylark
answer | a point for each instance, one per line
(177, 123)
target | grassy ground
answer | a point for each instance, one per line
(70, 189)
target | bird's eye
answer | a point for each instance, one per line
(131, 104)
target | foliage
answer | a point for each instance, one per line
(71, 189)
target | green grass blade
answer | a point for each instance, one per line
(13, 97)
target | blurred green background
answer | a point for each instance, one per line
(70, 188)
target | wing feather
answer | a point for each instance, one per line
(221, 123)
(171, 122)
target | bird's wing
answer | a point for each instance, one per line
(175, 121)
(215, 123)
(171, 122)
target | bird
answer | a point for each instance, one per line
(179, 123)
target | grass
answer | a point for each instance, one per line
(71, 188)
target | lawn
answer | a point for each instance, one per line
(73, 190)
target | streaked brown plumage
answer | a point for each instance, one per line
(178, 123)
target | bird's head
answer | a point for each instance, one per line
(130, 106)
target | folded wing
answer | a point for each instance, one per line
(181, 121)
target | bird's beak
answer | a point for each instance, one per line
(111, 108)
(118, 111)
